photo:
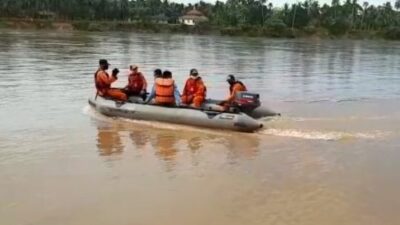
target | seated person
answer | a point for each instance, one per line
(103, 82)
(235, 86)
(137, 84)
(194, 91)
(165, 91)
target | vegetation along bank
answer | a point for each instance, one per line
(309, 18)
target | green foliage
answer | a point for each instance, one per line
(339, 27)
(276, 25)
(392, 33)
(3, 24)
(203, 28)
(179, 28)
(233, 17)
(101, 26)
(230, 31)
(310, 30)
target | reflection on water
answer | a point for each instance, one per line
(109, 142)
(140, 138)
(194, 144)
(167, 144)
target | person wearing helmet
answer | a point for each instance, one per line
(103, 82)
(194, 91)
(165, 91)
(235, 86)
(137, 83)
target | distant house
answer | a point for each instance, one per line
(193, 17)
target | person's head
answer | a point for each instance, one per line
(167, 74)
(231, 79)
(157, 73)
(104, 64)
(134, 68)
(194, 74)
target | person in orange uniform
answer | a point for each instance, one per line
(103, 82)
(235, 86)
(137, 84)
(165, 91)
(194, 91)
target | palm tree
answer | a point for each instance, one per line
(294, 15)
(335, 5)
(388, 13)
(365, 6)
(262, 2)
(270, 11)
(354, 12)
(397, 5)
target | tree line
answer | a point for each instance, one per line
(337, 17)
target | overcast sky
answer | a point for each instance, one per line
(280, 3)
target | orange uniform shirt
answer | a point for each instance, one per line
(103, 81)
(237, 87)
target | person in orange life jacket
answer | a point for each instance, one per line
(103, 82)
(194, 91)
(235, 86)
(165, 91)
(137, 83)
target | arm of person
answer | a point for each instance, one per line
(231, 97)
(177, 95)
(129, 81)
(184, 91)
(235, 90)
(105, 79)
(151, 95)
(201, 90)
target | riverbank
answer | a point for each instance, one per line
(269, 30)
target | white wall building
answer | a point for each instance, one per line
(193, 17)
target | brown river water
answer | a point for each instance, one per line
(332, 158)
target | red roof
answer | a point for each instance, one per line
(194, 12)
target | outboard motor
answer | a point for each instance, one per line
(246, 101)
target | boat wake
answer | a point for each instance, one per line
(328, 128)
(321, 135)
(343, 119)
(277, 130)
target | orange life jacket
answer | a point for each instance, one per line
(238, 86)
(136, 82)
(100, 85)
(165, 91)
(193, 86)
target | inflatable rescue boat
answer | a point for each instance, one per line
(243, 117)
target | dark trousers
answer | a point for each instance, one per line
(130, 93)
